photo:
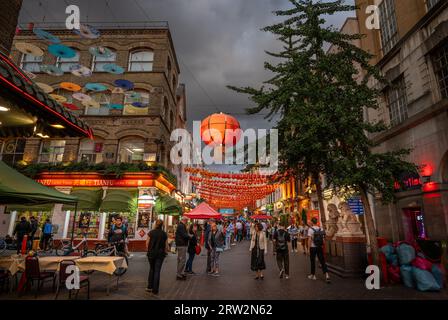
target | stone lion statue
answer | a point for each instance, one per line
(332, 223)
(347, 222)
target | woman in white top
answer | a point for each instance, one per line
(258, 248)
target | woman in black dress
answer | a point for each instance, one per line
(258, 248)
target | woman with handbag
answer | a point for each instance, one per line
(193, 248)
(216, 243)
(258, 248)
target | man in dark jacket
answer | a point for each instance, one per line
(208, 228)
(181, 239)
(33, 226)
(22, 228)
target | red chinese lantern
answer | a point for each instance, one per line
(215, 130)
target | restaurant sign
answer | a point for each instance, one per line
(96, 182)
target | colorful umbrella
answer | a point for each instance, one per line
(61, 51)
(80, 71)
(81, 97)
(70, 106)
(117, 90)
(101, 52)
(97, 87)
(140, 105)
(113, 68)
(70, 86)
(116, 106)
(30, 49)
(88, 32)
(91, 104)
(51, 70)
(45, 87)
(124, 84)
(47, 36)
(58, 98)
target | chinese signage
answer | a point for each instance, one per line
(409, 182)
(96, 182)
(355, 204)
(226, 211)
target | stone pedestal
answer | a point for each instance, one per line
(346, 256)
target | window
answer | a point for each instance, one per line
(397, 101)
(141, 61)
(103, 110)
(31, 63)
(52, 151)
(388, 23)
(99, 62)
(65, 63)
(431, 3)
(13, 150)
(131, 151)
(91, 151)
(440, 59)
(142, 97)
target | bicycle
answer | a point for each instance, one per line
(66, 248)
(113, 249)
(50, 245)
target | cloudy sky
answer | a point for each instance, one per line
(218, 42)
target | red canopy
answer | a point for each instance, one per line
(203, 211)
(260, 217)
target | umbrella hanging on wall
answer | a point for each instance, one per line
(70, 86)
(88, 32)
(61, 51)
(45, 87)
(124, 84)
(51, 70)
(97, 87)
(101, 52)
(80, 70)
(113, 68)
(29, 49)
(45, 35)
(58, 98)
(81, 97)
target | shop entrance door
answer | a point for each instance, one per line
(413, 224)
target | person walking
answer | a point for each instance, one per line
(192, 243)
(216, 243)
(182, 237)
(157, 249)
(248, 229)
(258, 248)
(239, 231)
(303, 233)
(316, 242)
(208, 228)
(47, 231)
(229, 231)
(281, 238)
(21, 230)
(294, 234)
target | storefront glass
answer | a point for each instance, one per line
(86, 222)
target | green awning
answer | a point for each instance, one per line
(15, 188)
(168, 205)
(37, 208)
(120, 200)
(88, 199)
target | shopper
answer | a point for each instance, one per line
(316, 241)
(21, 229)
(281, 238)
(208, 228)
(34, 226)
(294, 234)
(229, 231)
(216, 244)
(118, 234)
(182, 238)
(239, 231)
(192, 243)
(303, 234)
(47, 232)
(248, 229)
(258, 248)
(157, 248)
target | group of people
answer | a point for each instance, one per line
(312, 239)
(218, 238)
(30, 228)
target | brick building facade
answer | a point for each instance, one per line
(9, 16)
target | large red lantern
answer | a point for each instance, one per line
(220, 129)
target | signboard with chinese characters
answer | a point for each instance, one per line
(356, 205)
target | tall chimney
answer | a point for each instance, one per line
(9, 16)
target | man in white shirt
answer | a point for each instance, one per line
(316, 239)
(239, 230)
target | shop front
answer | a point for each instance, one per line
(101, 199)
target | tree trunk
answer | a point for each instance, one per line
(320, 199)
(370, 227)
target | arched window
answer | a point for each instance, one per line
(131, 150)
(99, 62)
(30, 63)
(141, 61)
(65, 63)
(91, 151)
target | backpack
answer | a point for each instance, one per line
(281, 240)
(318, 237)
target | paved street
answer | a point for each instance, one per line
(237, 282)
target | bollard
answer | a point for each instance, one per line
(24, 244)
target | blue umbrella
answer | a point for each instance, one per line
(124, 84)
(113, 68)
(101, 52)
(97, 87)
(116, 106)
(140, 105)
(44, 35)
(51, 70)
(61, 51)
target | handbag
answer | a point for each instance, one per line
(198, 249)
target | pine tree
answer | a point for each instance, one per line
(320, 97)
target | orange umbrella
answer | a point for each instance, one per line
(70, 86)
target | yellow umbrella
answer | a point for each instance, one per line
(28, 48)
(58, 98)
(45, 87)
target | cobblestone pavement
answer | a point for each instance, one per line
(236, 282)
